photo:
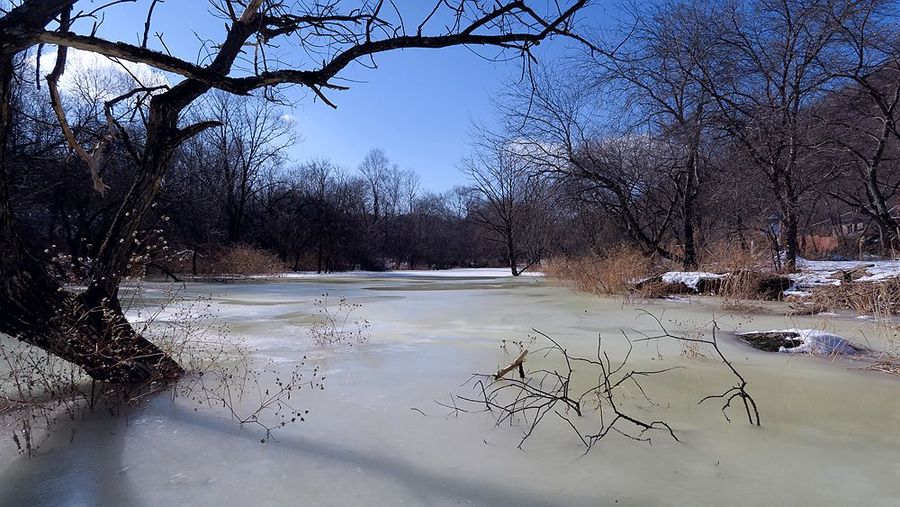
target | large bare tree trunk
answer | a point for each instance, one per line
(791, 245)
(88, 331)
(890, 232)
(689, 261)
(511, 256)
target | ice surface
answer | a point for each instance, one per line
(435, 273)
(362, 443)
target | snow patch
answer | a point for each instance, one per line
(822, 273)
(690, 278)
(814, 341)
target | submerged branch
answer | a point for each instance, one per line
(596, 412)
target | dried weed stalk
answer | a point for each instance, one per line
(336, 325)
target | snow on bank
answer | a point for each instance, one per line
(690, 278)
(822, 273)
(813, 341)
(442, 273)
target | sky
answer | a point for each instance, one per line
(419, 106)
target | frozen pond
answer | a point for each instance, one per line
(830, 433)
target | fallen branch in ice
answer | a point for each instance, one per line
(795, 341)
(540, 392)
(735, 392)
(513, 365)
(527, 399)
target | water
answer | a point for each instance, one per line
(830, 433)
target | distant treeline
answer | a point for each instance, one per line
(233, 187)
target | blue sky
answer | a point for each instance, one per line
(418, 106)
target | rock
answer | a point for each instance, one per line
(656, 287)
(810, 341)
(772, 341)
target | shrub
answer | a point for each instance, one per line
(247, 260)
(334, 326)
(749, 271)
(753, 284)
(880, 299)
(616, 271)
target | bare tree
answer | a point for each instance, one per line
(762, 66)
(391, 192)
(562, 129)
(249, 141)
(89, 328)
(505, 198)
(862, 118)
(649, 72)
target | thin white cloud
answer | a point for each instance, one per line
(99, 77)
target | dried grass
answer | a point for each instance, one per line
(627, 270)
(730, 257)
(749, 273)
(614, 272)
(247, 260)
(879, 299)
(889, 367)
(753, 285)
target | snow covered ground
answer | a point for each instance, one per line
(812, 274)
(820, 273)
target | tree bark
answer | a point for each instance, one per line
(511, 256)
(689, 261)
(791, 233)
(91, 333)
(890, 232)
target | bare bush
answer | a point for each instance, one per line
(246, 260)
(257, 395)
(693, 347)
(334, 325)
(37, 389)
(730, 256)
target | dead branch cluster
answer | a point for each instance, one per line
(526, 398)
